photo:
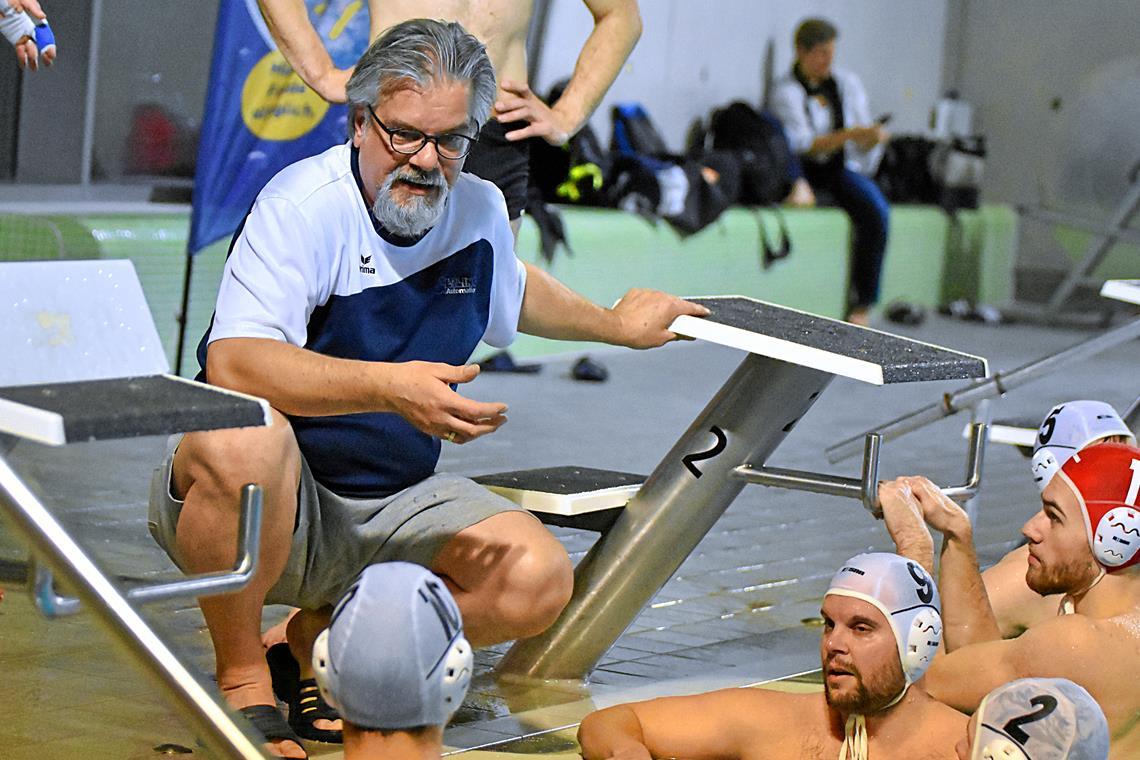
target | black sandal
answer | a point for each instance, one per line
(284, 671)
(307, 709)
(272, 725)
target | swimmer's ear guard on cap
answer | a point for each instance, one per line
(1106, 481)
(908, 598)
(1039, 719)
(1067, 429)
(394, 655)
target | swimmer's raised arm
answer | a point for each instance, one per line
(966, 614)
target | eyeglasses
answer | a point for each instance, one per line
(451, 145)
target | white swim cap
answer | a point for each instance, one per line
(394, 655)
(1039, 719)
(908, 598)
(1067, 429)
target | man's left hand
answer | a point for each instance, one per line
(644, 317)
(517, 103)
(940, 512)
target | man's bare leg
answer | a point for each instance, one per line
(302, 629)
(510, 577)
(209, 471)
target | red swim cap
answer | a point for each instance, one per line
(1106, 480)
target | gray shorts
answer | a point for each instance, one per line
(336, 537)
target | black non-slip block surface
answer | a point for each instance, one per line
(563, 481)
(98, 410)
(903, 360)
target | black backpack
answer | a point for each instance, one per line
(760, 145)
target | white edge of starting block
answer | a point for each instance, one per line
(34, 424)
(1008, 434)
(765, 345)
(568, 504)
(1122, 290)
(266, 416)
(43, 426)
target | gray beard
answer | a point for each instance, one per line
(419, 214)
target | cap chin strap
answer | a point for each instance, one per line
(854, 739)
(1069, 601)
(855, 731)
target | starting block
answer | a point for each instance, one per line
(571, 497)
(1021, 433)
(792, 356)
(1122, 290)
(83, 362)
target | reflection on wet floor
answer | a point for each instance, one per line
(743, 609)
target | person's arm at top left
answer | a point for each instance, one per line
(640, 319)
(617, 27)
(298, 41)
(25, 25)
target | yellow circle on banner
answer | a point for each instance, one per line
(276, 104)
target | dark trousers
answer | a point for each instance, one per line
(864, 203)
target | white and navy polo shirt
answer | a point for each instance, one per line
(309, 266)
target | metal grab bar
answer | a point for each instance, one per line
(32, 520)
(866, 487)
(205, 584)
(992, 387)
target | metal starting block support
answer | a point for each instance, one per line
(866, 487)
(73, 329)
(792, 357)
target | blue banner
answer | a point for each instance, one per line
(260, 117)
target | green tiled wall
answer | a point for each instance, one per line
(929, 259)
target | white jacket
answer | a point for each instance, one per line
(805, 119)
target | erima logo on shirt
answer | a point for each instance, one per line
(364, 268)
(451, 286)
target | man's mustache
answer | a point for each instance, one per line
(432, 178)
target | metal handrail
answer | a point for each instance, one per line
(992, 387)
(866, 487)
(49, 540)
(204, 584)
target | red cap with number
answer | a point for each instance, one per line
(1106, 481)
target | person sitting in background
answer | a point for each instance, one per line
(881, 629)
(1036, 719)
(1067, 429)
(827, 119)
(394, 662)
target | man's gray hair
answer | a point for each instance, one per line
(422, 52)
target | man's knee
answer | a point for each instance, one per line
(213, 466)
(538, 587)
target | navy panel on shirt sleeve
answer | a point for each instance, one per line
(436, 315)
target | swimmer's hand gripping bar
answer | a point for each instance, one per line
(866, 487)
(205, 584)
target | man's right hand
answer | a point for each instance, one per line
(421, 393)
(866, 138)
(903, 515)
